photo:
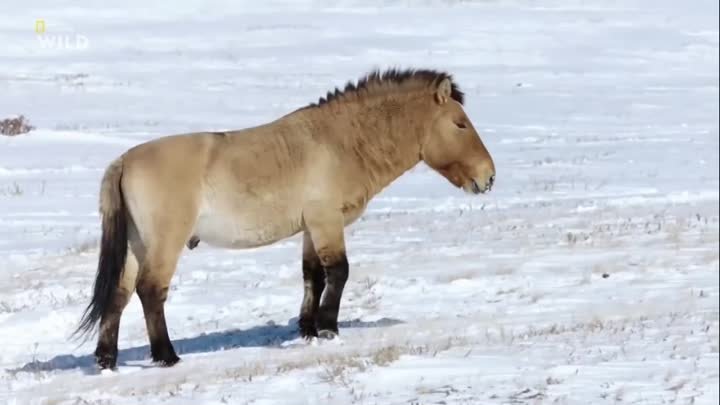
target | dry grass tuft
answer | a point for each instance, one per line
(15, 126)
(387, 355)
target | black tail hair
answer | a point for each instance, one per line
(113, 253)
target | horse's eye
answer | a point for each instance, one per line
(461, 125)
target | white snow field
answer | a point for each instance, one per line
(589, 275)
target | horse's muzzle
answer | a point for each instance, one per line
(478, 189)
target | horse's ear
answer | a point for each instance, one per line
(444, 89)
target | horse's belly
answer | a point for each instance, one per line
(241, 232)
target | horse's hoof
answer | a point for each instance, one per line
(165, 357)
(327, 334)
(168, 362)
(308, 331)
(106, 361)
(309, 336)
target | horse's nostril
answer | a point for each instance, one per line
(492, 180)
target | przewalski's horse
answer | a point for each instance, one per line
(311, 171)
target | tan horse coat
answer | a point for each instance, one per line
(312, 171)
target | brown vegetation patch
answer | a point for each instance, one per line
(15, 126)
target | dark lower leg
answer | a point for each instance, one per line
(314, 283)
(153, 302)
(107, 346)
(335, 277)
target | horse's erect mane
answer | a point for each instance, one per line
(376, 81)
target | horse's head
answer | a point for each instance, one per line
(452, 147)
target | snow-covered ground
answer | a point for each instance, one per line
(588, 276)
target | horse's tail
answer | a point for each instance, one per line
(113, 248)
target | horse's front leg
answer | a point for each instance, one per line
(326, 229)
(336, 274)
(313, 284)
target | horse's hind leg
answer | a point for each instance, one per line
(107, 347)
(152, 288)
(314, 283)
(153, 296)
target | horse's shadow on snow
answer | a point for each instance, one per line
(270, 335)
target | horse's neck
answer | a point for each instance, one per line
(385, 141)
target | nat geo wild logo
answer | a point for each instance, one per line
(62, 40)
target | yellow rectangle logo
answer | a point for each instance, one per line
(39, 26)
